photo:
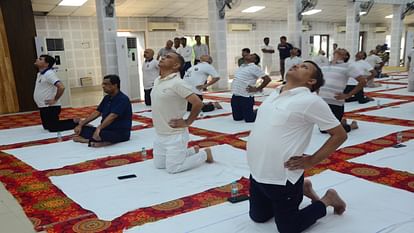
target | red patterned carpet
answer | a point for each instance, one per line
(49, 209)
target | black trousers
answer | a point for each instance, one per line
(185, 67)
(338, 111)
(206, 107)
(51, 122)
(282, 202)
(282, 68)
(147, 97)
(196, 61)
(112, 136)
(242, 108)
(359, 96)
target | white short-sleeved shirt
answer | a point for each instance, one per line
(198, 75)
(150, 71)
(320, 60)
(186, 52)
(200, 50)
(291, 61)
(45, 88)
(362, 66)
(246, 75)
(373, 60)
(169, 102)
(283, 128)
(336, 78)
(267, 57)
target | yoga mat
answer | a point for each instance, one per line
(402, 111)
(351, 106)
(403, 91)
(223, 125)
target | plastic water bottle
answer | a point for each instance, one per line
(201, 115)
(378, 103)
(143, 153)
(399, 138)
(234, 189)
(59, 136)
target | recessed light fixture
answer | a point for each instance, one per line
(253, 9)
(311, 12)
(389, 16)
(362, 13)
(72, 2)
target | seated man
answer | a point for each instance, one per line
(197, 77)
(116, 112)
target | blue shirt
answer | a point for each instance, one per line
(119, 105)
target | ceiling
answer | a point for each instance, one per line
(332, 10)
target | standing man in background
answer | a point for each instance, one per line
(267, 60)
(177, 43)
(284, 52)
(199, 49)
(186, 52)
(167, 49)
(47, 93)
(150, 72)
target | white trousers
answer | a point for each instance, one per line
(171, 153)
(267, 66)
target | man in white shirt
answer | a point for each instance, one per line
(177, 43)
(199, 49)
(167, 49)
(280, 135)
(292, 60)
(268, 52)
(186, 52)
(47, 93)
(321, 59)
(375, 61)
(170, 95)
(336, 78)
(150, 71)
(368, 70)
(197, 77)
(244, 87)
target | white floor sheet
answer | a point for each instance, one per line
(101, 192)
(401, 159)
(351, 106)
(34, 133)
(403, 91)
(371, 208)
(402, 111)
(57, 155)
(223, 125)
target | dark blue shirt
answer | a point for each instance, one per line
(284, 50)
(119, 105)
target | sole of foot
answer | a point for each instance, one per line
(210, 158)
(217, 105)
(196, 149)
(354, 125)
(338, 204)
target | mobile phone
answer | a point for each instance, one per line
(127, 177)
(238, 198)
(399, 145)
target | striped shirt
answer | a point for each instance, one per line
(246, 75)
(336, 77)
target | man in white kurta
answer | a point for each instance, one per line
(169, 96)
(275, 148)
(267, 60)
(150, 71)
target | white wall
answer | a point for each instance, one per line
(83, 60)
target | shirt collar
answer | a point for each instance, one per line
(149, 60)
(170, 76)
(293, 91)
(44, 71)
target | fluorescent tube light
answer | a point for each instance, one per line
(72, 2)
(311, 12)
(388, 16)
(253, 9)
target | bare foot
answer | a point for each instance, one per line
(99, 144)
(80, 139)
(209, 156)
(308, 191)
(196, 149)
(332, 198)
(354, 125)
(343, 121)
(76, 120)
(217, 105)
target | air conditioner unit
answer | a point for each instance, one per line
(162, 26)
(234, 27)
(381, 29)
(341, 29)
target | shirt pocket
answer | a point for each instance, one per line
(280, 116)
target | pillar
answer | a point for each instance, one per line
(396, 33)
(352, 28)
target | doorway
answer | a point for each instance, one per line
(319, 42)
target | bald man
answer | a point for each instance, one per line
(150, 72)
(170, 97)
(197, 77)
(167, 49)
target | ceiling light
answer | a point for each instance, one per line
(311, 12)
(362, 13)
(253, 9)
(388, 16)
(72, 2)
